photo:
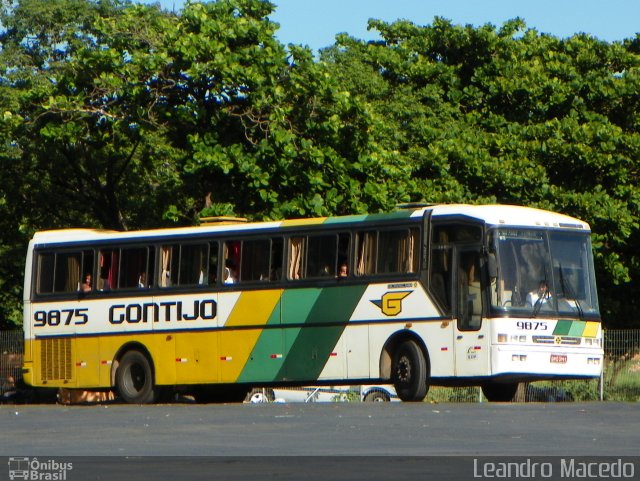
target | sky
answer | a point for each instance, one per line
(315, 23)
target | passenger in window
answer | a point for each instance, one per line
(230, 272)
(142, 280)
(86, 286)
(343, 270)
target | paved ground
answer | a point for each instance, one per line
(322, 429)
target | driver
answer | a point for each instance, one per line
(540, 296)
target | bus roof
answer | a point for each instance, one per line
(491, 215)
(510, 215)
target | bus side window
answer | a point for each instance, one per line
(133, 268)
(62, 272)
(193, 264)
(322, 256)
(398, 251)
(254, 265)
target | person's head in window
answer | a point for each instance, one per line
(343, 270)
(87, 285)
(230, 272)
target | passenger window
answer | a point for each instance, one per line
(397, 251)
(193, 264)
(321, 256)
(255, 260)
(60, 272)
(133, 268)
(387, 252)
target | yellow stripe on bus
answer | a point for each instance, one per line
(235, 346)
(591, 329)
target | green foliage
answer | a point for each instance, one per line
(120, 115)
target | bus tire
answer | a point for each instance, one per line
(377, 397)
(499, 392)
(134, 378)
(409, 372)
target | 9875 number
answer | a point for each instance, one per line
(531, 325)
(64, 317)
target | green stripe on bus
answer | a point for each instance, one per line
(309, 350)
(563, 326)
(267, 356)
(577, 328)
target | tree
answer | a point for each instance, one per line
(512, 116)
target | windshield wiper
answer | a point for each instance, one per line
(567, 290)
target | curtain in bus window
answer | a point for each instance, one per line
(67, 273)
(366, 262)
(412, 265)
(73, 273)
(165, 273)
(296, 245)
(407, 253)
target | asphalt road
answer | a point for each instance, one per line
(322, 429)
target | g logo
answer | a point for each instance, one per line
(391, 302)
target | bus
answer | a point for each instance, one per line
(451, 295)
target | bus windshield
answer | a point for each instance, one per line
(543, 273)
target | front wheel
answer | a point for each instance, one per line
(134, 379)
(499, 392)
(409, 372)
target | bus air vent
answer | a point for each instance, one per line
(56, 359)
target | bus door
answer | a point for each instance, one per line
(471, 333)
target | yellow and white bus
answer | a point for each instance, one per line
(444, 295)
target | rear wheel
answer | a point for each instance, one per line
(499, 392)
(134, 378)
(409, 372)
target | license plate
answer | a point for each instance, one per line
(559, 358)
